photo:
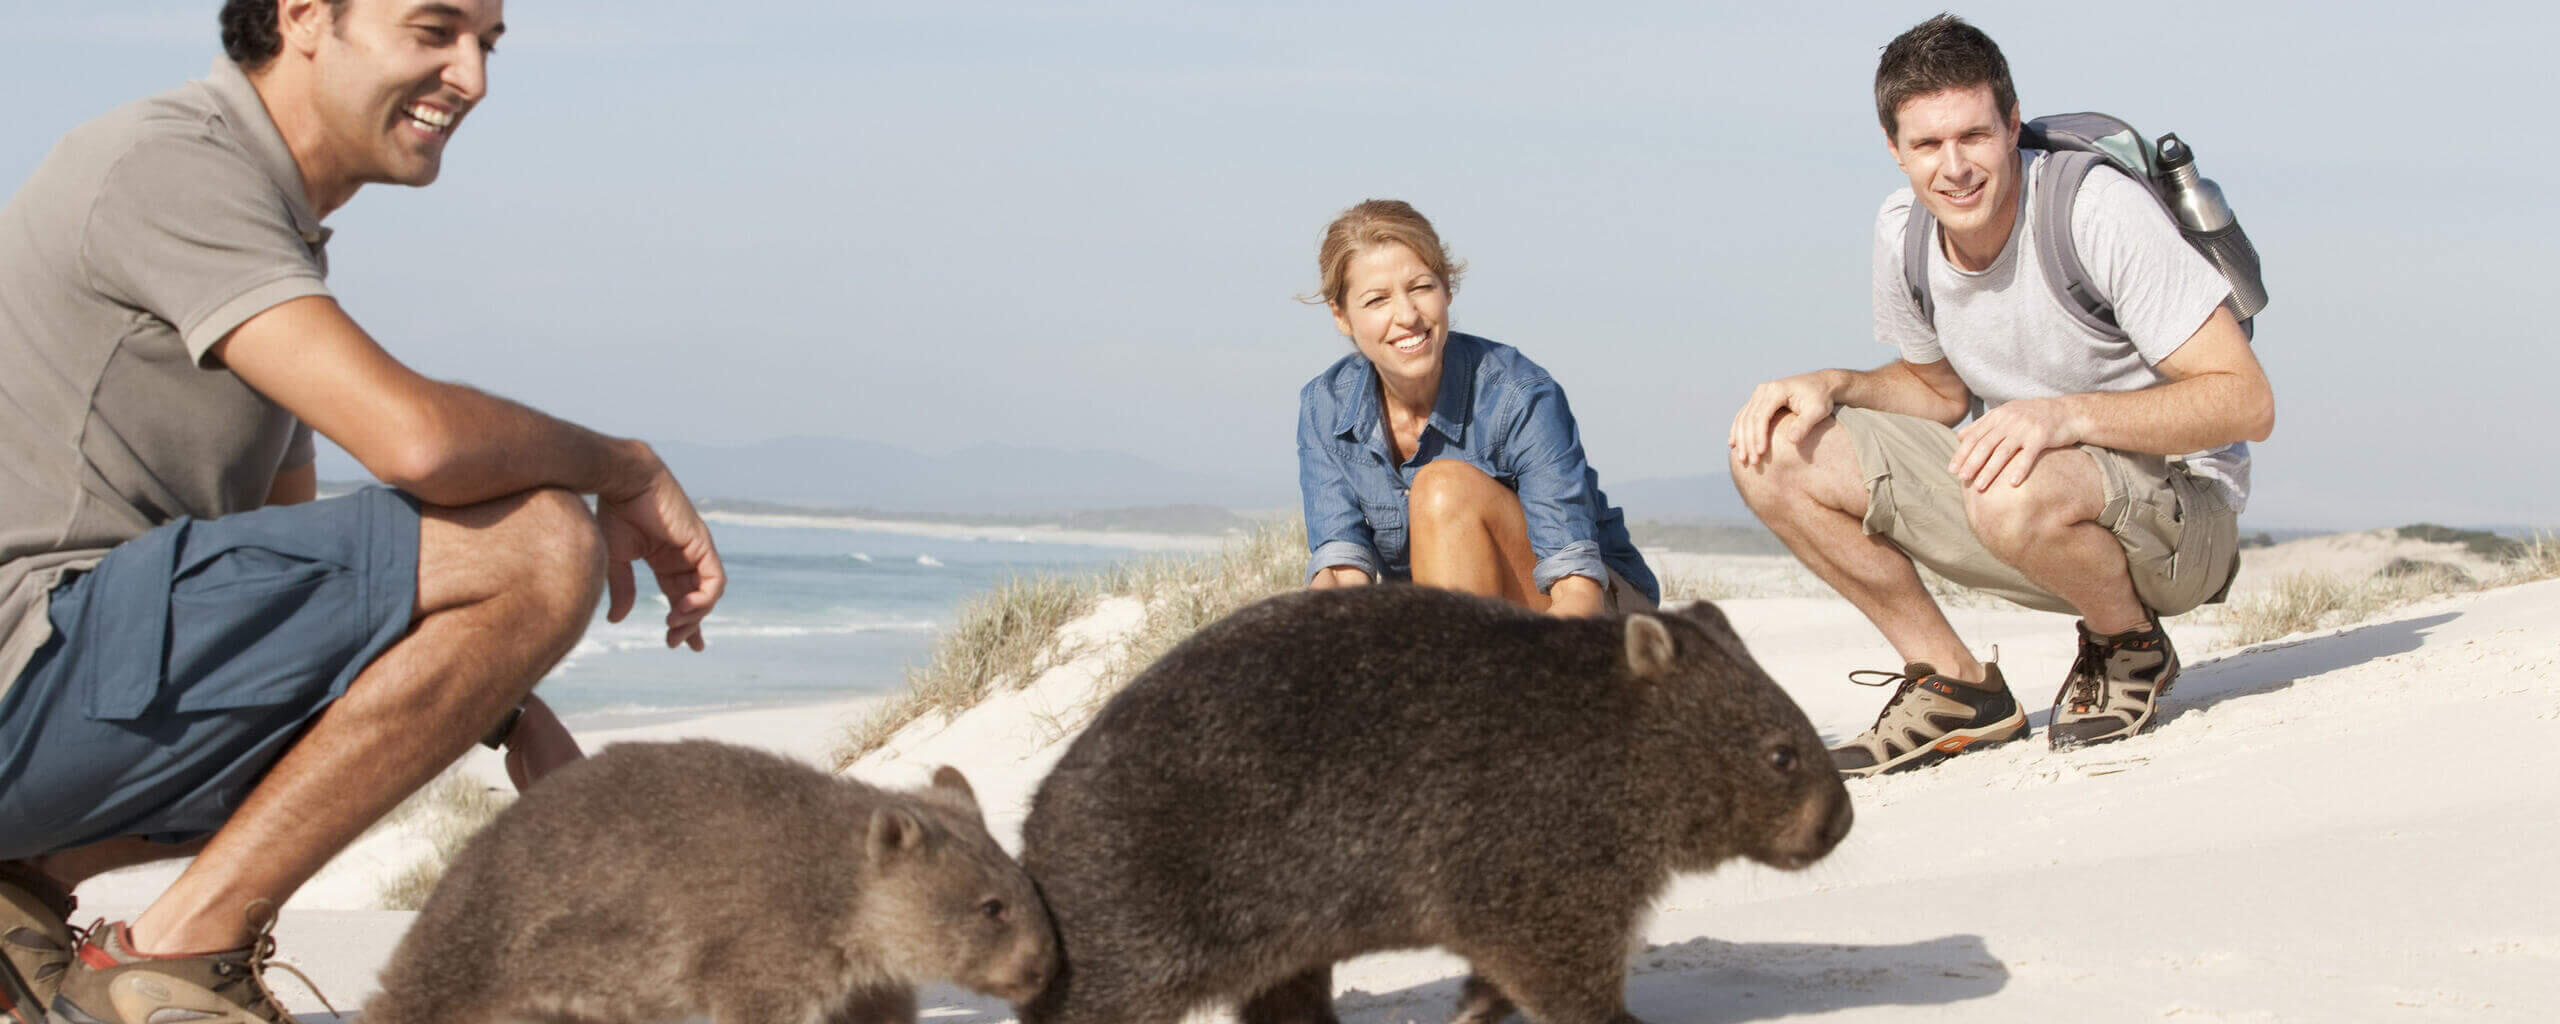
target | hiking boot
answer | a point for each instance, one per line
(35, 942)
(2114, 686)
(113, 984)
(1930, 718)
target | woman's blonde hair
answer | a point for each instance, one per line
(1369, 225)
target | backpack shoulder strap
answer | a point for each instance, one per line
(2058, 179)
(1918, 234)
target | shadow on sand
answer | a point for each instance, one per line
(1704, 981)
(2268, 667)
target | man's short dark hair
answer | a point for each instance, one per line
(1939, 54)
(249, 34)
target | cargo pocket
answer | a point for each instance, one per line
(128, 600)
(249, 626)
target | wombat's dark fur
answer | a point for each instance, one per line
(1330, 773)
(662, 880)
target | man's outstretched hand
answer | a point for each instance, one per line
(656, 523)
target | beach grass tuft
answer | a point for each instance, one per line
(2305, 601)
(999, 643)
(2536, 559)
(1008, 637)
(1183, 594)
(456, 806)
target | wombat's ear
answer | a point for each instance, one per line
(894, 832)
(1705, 613)
(1650, 649)
(955, 786)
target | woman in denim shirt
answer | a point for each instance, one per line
(1445, 458)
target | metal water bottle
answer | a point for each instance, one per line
(2193, 198)
(2206, 219)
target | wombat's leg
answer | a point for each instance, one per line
(1479, 1002)
(885, 1004)
(764, 1006)
(1586, 985)
(1303, 998)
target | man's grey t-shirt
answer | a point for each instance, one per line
(143, 239)
(2006, 336)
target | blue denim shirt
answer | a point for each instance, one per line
(1498, 412)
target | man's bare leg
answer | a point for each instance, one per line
(2047, 528)
(1470, 534)
(505, 589)
(1814, 497)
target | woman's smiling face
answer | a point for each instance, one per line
(1396, 311)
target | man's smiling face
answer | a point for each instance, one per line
(1961, 153)
(396, 77)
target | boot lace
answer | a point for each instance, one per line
(2084, 689)
(252, 970)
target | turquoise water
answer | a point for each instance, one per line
(811, 614)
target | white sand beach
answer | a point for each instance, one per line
(2355, 823)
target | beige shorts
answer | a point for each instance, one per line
(2181, 542)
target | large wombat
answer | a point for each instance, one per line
(662, 880)
(1331, 773)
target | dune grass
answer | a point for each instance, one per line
(2537, 559)
(456, 806)
(1183, 594)
(999, 643)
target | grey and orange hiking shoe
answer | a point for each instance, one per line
(2114, 687)
(35, 942)
(1930, 718)
(113, 984)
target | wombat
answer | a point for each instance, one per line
(1331, 773)
(658, 881)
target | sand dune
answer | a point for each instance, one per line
(2355, 824)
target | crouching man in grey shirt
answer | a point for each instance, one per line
(195, 656)
(2103, 480)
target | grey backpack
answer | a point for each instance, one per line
(2079, 144)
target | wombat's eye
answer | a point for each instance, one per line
(994, 909)
(1783, 757)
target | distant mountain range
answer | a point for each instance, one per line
(1004, 481)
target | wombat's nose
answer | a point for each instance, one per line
(1836, 827)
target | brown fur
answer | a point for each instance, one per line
(1331, 773)
(658, 881)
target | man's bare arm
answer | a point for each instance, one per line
(1927, 390)
(445, 443)
(452, 445)
(2216, 394)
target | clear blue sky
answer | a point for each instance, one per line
(1082, 224)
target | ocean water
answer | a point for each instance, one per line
(811, 614)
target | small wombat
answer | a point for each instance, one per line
(1331, 773)
(662, 880)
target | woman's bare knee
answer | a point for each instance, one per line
(1451, 491)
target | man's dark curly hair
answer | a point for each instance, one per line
(249, 33)
(1938, 54)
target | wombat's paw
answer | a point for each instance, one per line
(1481, 1003)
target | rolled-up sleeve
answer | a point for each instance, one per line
(1555, 485)
(1337, 534)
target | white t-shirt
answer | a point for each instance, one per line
(2008, 337)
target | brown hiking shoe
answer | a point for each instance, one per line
(2114, 687)
(112, 984)
(1930, 718)
(35, 942)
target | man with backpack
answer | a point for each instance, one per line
(2106, 472)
